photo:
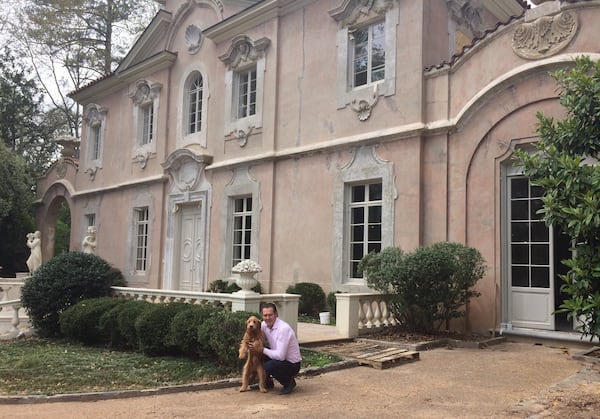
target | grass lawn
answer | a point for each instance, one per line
(41, 366)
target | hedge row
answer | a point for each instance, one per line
(157, 329)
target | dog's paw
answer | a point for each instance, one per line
(263, 390)
(243, 389)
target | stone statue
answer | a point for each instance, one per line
(34, 242)
(89, 241)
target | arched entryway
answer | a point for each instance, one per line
(54, 219)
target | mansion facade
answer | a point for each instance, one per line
(303, 134)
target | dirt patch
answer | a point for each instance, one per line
(399, 334)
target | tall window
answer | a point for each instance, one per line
(530, 260)
(141, 239)
(368, 58)
(90, 220)
(365, 216)
(242, 229)
(147, 123)
(194, 95)
(95, 142)
(246, 93)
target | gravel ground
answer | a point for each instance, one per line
(508, 380)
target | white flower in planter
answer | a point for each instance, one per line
(246, 266)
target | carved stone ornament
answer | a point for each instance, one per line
(352, 12)
(242, 136)
(544, 37)
(91, 171)
(244, 51)
(61, 168)
(186, 169)
(365, 104)
(145, 92)
(467, 14)
(142, 159)
(193, 39)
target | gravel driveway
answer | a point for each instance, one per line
(506, 380)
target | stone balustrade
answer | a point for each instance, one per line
(12, 308)
(356, 313)
(287, 304)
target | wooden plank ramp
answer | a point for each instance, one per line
(377, 355)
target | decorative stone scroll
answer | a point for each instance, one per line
(544, 37)
(244, 51)
(352, 12)
(364, 105)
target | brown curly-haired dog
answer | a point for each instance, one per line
(255, 363)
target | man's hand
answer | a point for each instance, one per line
(256, 346)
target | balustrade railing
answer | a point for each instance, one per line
(362, 313)
(287, 304)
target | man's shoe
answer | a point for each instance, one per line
(289, 387)
(269, 384)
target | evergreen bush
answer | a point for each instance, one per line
(153, 325)
(183, 333)
(312, 298)
(427, 287)
(61, 282)
(81, 321)
(220, 335)
(127, 314)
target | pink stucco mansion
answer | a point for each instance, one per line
(303, 134)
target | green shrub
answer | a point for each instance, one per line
(61, 282)
(220, 335)
(81, 321)
(225, 287)
(127, 314)
(429, 286)
(153, 326)
(183, 333)
(312, 298)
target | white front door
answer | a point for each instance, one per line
(190, 257)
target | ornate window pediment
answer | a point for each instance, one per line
(358, 12)
(243, 51)
(145, 97)
(368, 30)
(244, 80)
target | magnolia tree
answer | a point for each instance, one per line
(566, 166)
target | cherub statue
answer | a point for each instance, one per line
(89, 241)
(34, 242)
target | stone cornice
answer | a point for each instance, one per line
(119, 80)
(245, 20)
(123, 185)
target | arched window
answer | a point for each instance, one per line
(194, 102)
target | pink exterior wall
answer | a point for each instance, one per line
(444, 133)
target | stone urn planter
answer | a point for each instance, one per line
(246, 271)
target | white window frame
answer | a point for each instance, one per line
(366, 244)
(239, 235)
(242, 185)
(95, 121)
(350, 17)
(364, 167)
(369, 65)
(184, 137)
(145, 97)
(194, 118)
(243, 55)
(141, 262)
(244, 79)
